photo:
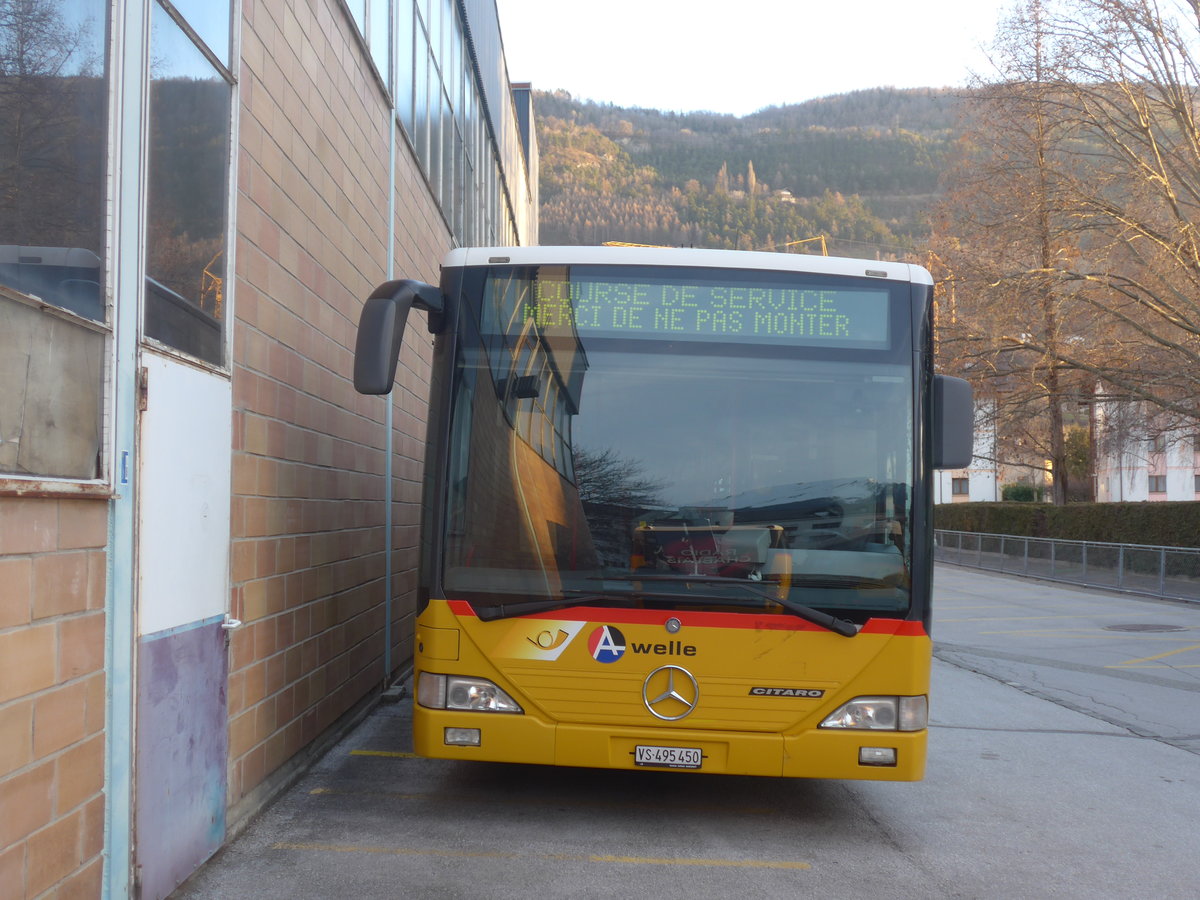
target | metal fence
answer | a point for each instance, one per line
(1172, 572)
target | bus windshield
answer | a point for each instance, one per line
(733, 440)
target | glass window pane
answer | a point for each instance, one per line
(421, 94)
(358, 9)
(53, 109)
(469, 206)
(53, 139)
(381, 29)
(452, 70)
(491, 207)
(189, 158)
(433, 26)
(467, 114)
(460, 186)
(445, 52)
(209, 19)
(403, 89)
(437, 135)
(448, 151)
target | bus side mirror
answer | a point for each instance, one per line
(381, 330)
(953, 423)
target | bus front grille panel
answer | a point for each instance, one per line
(616, 698)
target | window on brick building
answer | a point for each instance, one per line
(379, 35)
(211, 21)
(439, 105)
(53, 271)
(190, 103)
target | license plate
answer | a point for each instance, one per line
(668, 757)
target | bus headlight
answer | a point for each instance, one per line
(463, 693)
(881, 714)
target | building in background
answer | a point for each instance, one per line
(1140, 457)
(1137, 457)
(983, 479)
(207, 537)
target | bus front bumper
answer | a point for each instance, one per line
(816, 753)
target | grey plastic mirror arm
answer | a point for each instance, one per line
(381, 330)
(953, 422)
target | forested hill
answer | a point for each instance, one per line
(860, 169)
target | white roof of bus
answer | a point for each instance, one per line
(682, 256)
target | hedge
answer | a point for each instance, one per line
(1161, 524)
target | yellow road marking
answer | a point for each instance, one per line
(548, 857)
(1129, 665)
(1133, 663)
(392, 754)
(686, 861)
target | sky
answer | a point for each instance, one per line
(738, 56)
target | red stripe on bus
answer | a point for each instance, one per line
(893, 626)
(698, 619)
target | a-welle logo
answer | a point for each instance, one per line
(607, 644)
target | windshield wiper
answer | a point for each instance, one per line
(843, 582)
(843, 627)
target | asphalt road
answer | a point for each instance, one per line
(1131, 662)
(1062, 764)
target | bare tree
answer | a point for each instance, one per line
(51, 126)
(1079, 217)
(1132, 100)
(1004, 237)
(605, 477)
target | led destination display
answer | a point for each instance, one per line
(797, 315)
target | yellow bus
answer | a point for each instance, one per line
(677, 508)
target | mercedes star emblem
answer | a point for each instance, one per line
(670, 693)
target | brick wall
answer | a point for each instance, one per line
(421, 241)
(308, 546)
(52, 696)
